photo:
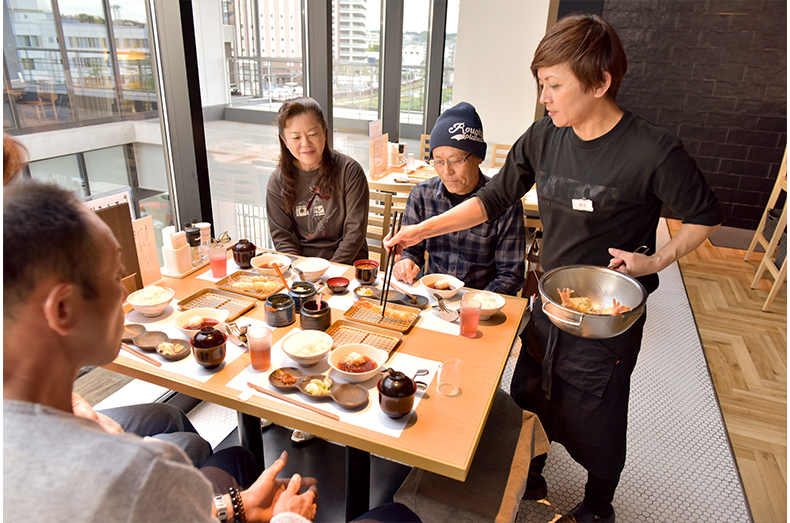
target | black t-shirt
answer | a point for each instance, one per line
(602, 193)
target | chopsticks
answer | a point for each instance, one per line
(396, 225)
(139, 354)
(294, 402)
(280, 274)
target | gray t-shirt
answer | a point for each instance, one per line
(332, 228)
(59, 467)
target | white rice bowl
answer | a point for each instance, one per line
(307, 347)
(490, 303)
(152, 300)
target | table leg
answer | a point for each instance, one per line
(251, 438)
(357, 482)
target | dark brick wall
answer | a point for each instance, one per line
(714, 72)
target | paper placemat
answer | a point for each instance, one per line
(188, 366)
(369, 416)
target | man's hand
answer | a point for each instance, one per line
(263, 499)
(83, 409)
(405, 270)
(407, 236)
(300, 503)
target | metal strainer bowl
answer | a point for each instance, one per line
(601, 285)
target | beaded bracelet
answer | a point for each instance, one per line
(238, 507)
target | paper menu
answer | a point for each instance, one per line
(378, 156)
(147, 255)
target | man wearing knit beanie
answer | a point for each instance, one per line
(488, 256)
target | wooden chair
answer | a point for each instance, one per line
(399, 191)
(499, 154)
(48, 97)
(424, 152)
(379, 216)
(770, 245)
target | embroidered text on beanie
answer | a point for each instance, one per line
(459, 127)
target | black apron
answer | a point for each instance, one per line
(579, 389)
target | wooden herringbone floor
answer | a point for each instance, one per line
(746, 350)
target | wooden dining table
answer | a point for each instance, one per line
(442, 434)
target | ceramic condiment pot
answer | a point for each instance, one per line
(208, 347)
(396, 393)
(243, 253)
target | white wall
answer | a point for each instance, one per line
(211, 52)
(496, 43)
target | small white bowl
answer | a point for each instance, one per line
(313, 268)
(263, 259)
(312, 359)
(151, 309)
(430, 279)
(377, 355)
(486, 313)
(206, 313)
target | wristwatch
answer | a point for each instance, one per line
(222, 509)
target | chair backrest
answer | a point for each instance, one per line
(398, 191)
(379, 216)
(424, 153)
(499, 154)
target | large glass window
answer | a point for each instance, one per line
(130, 31)
(263, 51)
(356, 34)
(448, 71)
(86, 41)
(415, 51)
(87, 66)
(65, 171)
(35, 90)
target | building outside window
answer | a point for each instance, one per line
(85, 104)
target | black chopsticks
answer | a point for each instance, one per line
(397, 222)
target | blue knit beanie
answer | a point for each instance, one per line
(459, 127)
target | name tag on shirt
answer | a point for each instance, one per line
(582, 204)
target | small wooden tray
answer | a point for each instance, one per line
(219, 299)
(346, 331)
(249, 277)
(363, 314)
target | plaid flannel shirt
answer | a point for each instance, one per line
(489, 256)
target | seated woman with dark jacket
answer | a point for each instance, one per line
(317, 198)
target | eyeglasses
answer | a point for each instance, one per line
(449, 163)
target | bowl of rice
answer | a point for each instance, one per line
(307, 347)
(490, 303)
(312, 268)
(151, 301)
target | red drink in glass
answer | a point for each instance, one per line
(259, 340)
(218, 257)
(470, 317)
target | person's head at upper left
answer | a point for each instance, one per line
(61, 310)
(579, 66)
(458, 148)
(14, 158)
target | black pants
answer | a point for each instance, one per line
(579, 388)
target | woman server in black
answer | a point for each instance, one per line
(602, 175)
